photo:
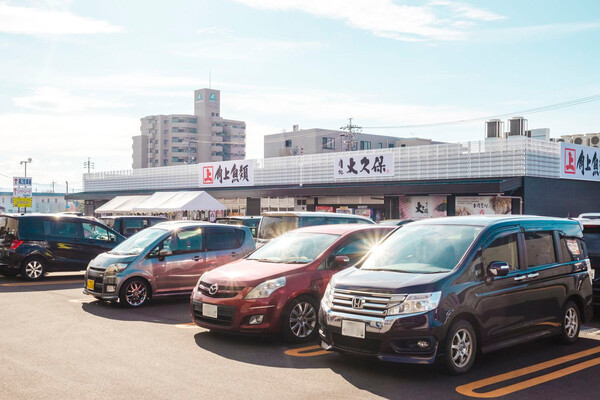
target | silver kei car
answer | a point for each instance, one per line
(166, 259)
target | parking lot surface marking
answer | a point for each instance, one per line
(309, 351)
(16, 284)
(82, 300)
(187, 325)
(469, 389)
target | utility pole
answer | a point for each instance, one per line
(348, 139)
(89, 165)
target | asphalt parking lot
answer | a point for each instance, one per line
(57, 343)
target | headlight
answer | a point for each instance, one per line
(328, 296)
(114, 269)
(265, 289)
(416, 303)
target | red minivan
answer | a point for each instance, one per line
(278, 288)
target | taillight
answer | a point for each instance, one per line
(15, 244)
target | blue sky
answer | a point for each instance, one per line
(76, 76)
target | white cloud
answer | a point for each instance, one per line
(438, 20)
(535, 32)
(37, 21)
(57, 100)
(214, 30)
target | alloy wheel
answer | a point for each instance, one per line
(571, 322)
(462, 348)
(34, 269)
(303, 319)
(136, 293)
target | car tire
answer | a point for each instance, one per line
(570, 323)
(134, 293)
(33, 268)
(460, 348)
(300, 320)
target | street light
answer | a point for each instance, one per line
(26, 162)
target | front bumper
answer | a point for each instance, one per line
(393, 338)
(101, 285)
(233, 314)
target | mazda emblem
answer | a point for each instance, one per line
(358, 302)
(214, 288)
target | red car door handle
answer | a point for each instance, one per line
(196, 258)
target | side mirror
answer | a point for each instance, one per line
(341, 261)
(498, 268)
(164, 253)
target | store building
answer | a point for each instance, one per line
(179, 139)
(511, 175)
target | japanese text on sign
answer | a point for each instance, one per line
(579, 162)
(364, 166)
(227, 173)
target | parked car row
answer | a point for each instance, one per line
(440, 290)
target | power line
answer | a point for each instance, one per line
(545, 108)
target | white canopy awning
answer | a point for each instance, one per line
(121, 204)
(179, 201)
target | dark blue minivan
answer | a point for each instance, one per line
(444, 289)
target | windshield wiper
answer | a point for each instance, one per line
(269, 260)
(297, 262)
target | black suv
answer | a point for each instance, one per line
(129, 225)
(446, 288)
(38, 243)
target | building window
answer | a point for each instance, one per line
(403, 145)
(156, 141)
(364, 145)
(164, 162)
(165, 131)
(329, 143)
(56, 200)
(390, 145)
(380, 145)
(165, 121)
(165, 142)
(288, 143)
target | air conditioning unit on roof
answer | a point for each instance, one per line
(593, 139)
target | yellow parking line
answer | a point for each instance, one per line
(308, 351)
(188, 325)
(40, 283)
(469, 388)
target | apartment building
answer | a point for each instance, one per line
(179, 139)
(319, 141)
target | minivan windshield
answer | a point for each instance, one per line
(274, 226)
(591, 235)
(294, 247)
(422, 249)
(138, 242)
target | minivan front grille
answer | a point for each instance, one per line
(364, 303)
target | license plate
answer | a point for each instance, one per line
(353, 329)
(209, 310)
(90, 284)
